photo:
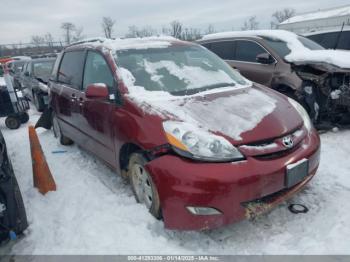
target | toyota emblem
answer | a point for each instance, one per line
(288, 142)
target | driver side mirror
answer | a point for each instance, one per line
(97, 91)
(265, 58)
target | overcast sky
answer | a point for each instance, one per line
(20, 19)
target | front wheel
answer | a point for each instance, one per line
(142, 184)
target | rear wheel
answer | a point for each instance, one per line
(57, 132)
(24, 117)
(13, 122)
(142, 184)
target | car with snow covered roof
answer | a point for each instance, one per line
(201, 145)
(291, 64)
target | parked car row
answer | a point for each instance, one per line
(201, 145)
(31, 76)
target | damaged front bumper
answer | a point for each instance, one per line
(238, 190)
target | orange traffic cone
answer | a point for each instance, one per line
(43, 180)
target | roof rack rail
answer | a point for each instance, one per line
(89, 40)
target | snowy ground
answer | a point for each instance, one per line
(93, 211)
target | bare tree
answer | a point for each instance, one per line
(210, 29)
(176, 29)
(49, 39)
(68, 31)
(251, 24)
(190, 34)
(78, 34)
(146, 31)
(282, 15)
(107, 26)
(37, 40)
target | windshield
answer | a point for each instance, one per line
(282, 49)
(179, 70)
(43, 69)
(308, 43)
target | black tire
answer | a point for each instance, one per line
(24, 117)
(136, 161)
(38, 101)
(13, 122)
(57, 132)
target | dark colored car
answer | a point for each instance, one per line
(34, 79)
(291, 64)
(12, 212)
(202, 146)
(15, 68)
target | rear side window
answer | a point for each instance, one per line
(71, 69)
(223, 49)
(247, 51)
(330, 40)
(97, 71)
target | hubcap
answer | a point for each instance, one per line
(142, 185)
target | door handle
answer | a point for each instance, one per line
(73, 97)
(81, 101)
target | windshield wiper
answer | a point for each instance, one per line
(200, 89)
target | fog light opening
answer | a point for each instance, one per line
(203, 211)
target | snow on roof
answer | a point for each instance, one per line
(299, 52)
(130, 43)
(322, 14)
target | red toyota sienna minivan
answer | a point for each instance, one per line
(201, 146)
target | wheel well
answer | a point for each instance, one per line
(124, 154)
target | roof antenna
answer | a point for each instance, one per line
(339, 35)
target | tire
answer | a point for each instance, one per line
(24, 117)
(38, 102)
(13, 122)
(57, 132)
(142, 185)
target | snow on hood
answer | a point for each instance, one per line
(299, 53)
(322, 14)
(2, 81)
(231, 114)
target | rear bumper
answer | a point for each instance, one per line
(232, 188)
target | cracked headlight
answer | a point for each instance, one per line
(302, 112)
(190, 141)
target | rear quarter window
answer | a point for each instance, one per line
(71, 69)
(224, 49)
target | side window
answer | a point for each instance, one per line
(28, 68)
(223, 49)
(71, 69)
(247, 51)
(329, 40)
(97, 71)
